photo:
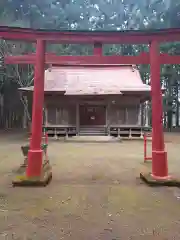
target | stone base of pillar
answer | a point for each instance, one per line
(159, 175)
(151, 181)
(24, 176)
(21, 179)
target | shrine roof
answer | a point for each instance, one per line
(84, 36)
(93, 80)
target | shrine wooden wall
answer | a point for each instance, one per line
(64, 110)
(123, 115)
(61, 115)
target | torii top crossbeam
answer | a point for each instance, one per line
(123, 37)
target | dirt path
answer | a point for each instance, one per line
(95, 194)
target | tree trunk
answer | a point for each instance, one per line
(177, 105)
(142, 114)
(169, 116)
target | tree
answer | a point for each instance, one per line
(93, 15)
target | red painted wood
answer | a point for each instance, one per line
(77, 60)
(169, 59)
(146, 157)
(90, 36)
(35, 153)
(143, 58)
(159, 156)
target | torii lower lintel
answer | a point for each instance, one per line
(142, 58)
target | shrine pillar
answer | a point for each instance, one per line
(159, 155)
(35, 154)
(98, 49)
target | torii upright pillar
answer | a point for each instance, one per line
(37, 171)
(35, 152)
(159, 174)
(159, 155)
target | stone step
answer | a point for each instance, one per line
(92, 131)
(93, 139)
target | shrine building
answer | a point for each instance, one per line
(94, 100)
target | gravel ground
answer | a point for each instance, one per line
(95, 194)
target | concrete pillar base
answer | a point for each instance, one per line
(22, 180)
(151, 181)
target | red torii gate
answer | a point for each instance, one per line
(159, 173)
